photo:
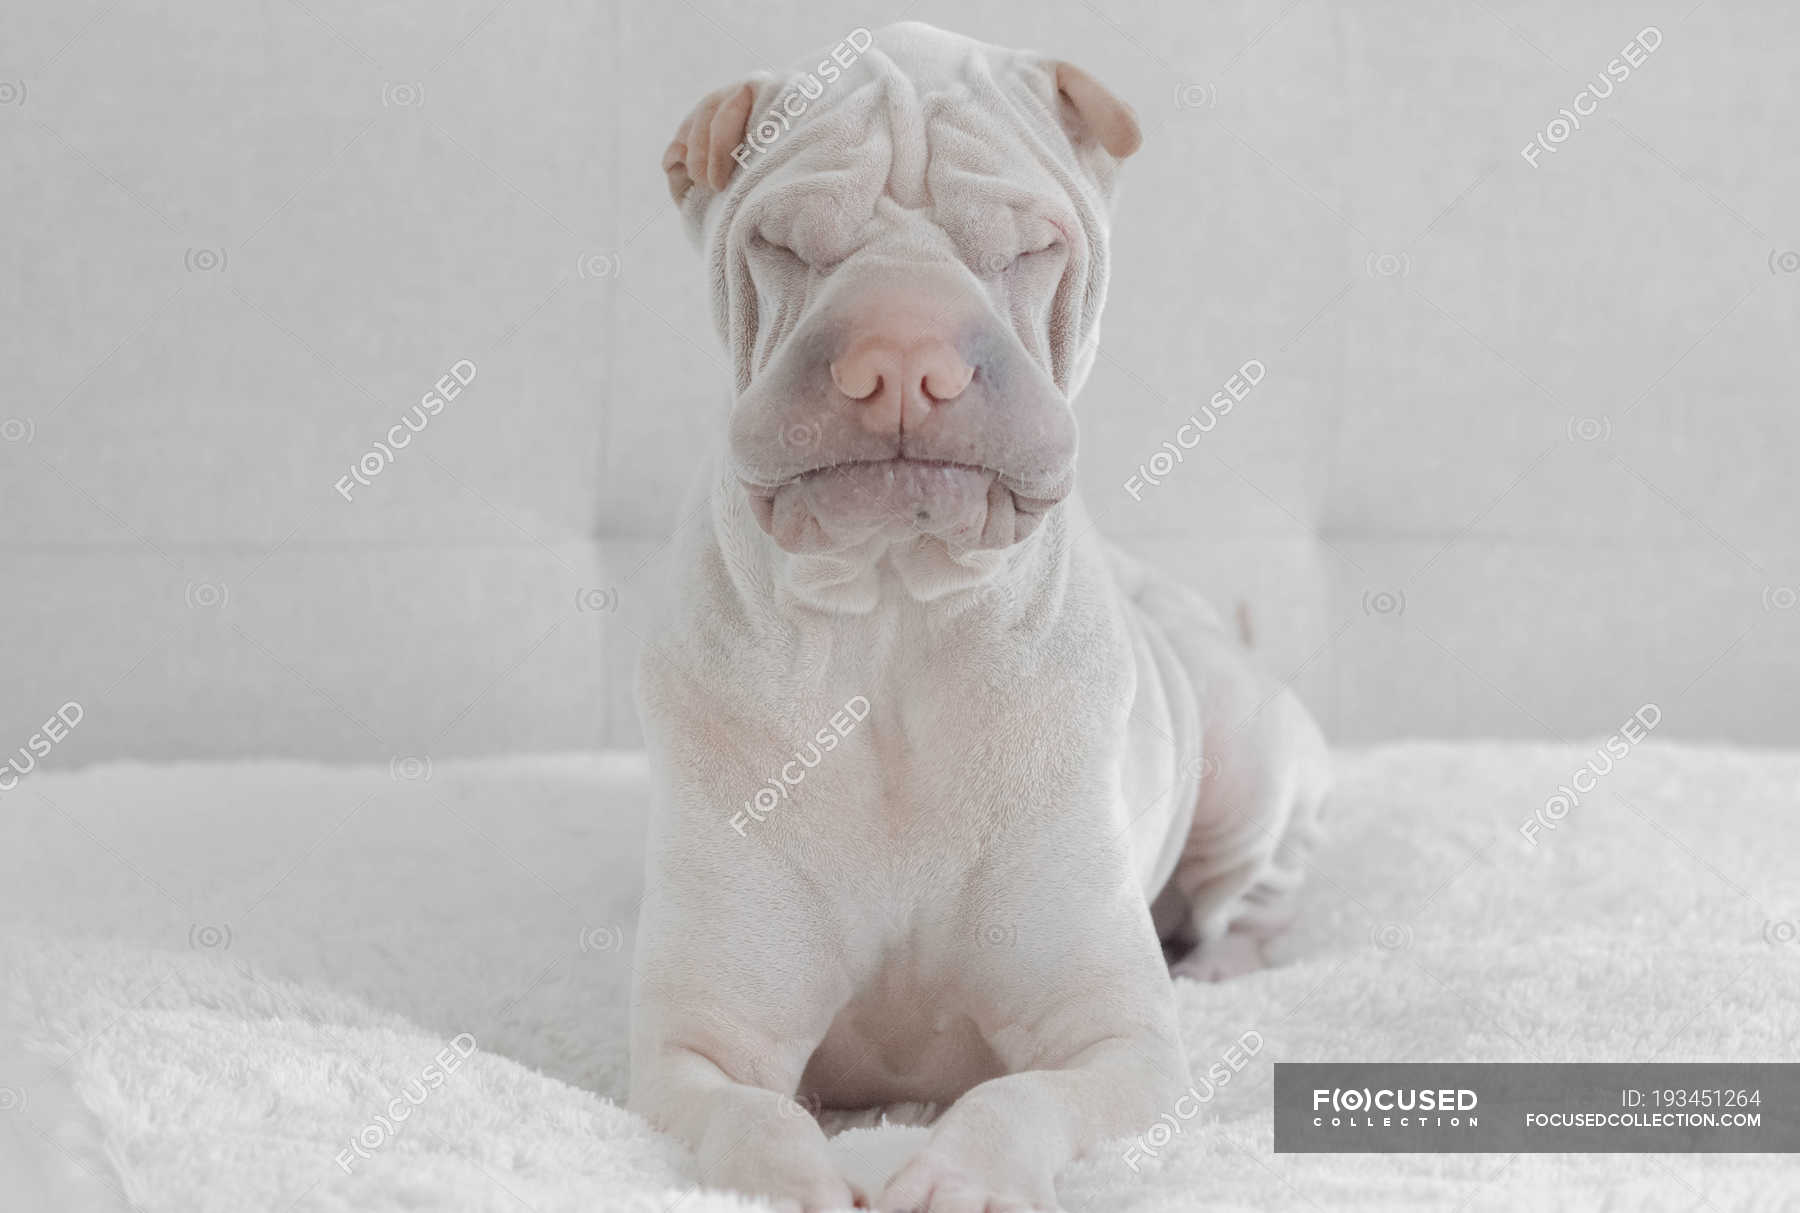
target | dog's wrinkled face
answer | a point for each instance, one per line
(909, 276)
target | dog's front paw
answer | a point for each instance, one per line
(794, 1182)
(934, 1182)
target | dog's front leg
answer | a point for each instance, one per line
(746, 1135)
(1095, 1053)
(726, 1014)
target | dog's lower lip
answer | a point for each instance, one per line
(764, 488)
(896, 461)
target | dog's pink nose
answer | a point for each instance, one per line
(899, 376)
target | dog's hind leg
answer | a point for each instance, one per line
(1254, 830)
(1265, 778)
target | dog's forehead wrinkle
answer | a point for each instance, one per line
(927, 80)
(908, 138)
(948, 114)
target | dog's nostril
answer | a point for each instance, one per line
(856, 378)
(945, 388)
(944, 374)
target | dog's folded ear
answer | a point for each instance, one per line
(701, 152)
(1092, 113)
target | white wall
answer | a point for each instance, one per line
(1550, 408)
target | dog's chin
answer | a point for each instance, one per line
(848, 505)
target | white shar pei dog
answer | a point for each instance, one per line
(941, 772)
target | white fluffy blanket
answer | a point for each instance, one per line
(219, 979)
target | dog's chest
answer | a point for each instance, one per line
(908, 1035)
(901, 712)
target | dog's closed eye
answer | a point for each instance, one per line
(1041, 247)
(1041, 237)
(1049, 248)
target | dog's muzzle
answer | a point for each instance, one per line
(901, 409)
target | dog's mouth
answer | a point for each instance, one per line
(965, 506)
